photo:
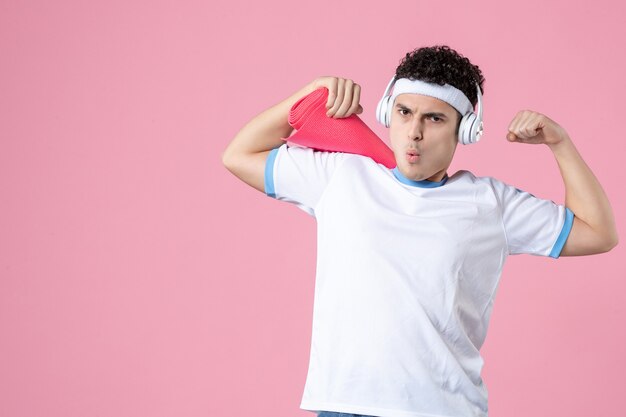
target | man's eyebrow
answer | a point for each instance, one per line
(429, 114)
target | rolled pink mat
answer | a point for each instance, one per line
(350, 134)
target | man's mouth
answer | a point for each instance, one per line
(412, 155)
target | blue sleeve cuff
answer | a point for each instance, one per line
(269, 173)
(560, 241)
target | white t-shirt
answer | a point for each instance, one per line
(406, 276)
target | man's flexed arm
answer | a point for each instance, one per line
(593, 230)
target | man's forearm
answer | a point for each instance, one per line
(266, 130)
(584, 195)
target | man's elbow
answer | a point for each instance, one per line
(609, 242)
(227, 159)
(612, 241)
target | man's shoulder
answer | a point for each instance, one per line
(479, 184)
(464, 176)
(468, 176)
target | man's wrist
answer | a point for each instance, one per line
(562, 145)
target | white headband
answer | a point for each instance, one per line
(450, 94)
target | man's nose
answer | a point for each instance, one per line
(415, 130)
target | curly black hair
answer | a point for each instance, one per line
(440, 64)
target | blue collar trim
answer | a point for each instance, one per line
(423, 183)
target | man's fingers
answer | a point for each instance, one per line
(339, 97)
(356, 97)
(346, 103)
(523, 126)
(343, 96)
(533, 127)
(351, 100)
(332, 89)
(520, 121)
(346, 99)
(528, 128)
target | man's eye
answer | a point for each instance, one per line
(437, 118)
(403, 110)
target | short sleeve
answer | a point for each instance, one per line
(532, 225)
(299, 175)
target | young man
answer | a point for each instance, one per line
(409, 258)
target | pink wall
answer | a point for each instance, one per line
(138, 277)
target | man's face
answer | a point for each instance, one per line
(427, 126)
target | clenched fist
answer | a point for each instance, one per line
(532, 127)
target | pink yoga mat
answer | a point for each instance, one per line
(350, 134)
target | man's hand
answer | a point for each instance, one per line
(532, 127)
(343, 96)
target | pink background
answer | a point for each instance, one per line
(140, 278)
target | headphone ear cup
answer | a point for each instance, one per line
(470, 129)
(379, 111)
(465, 129)
(471, 126)
(477, 130)
(382, 111)
(388, 105)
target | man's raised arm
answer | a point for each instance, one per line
(593, 230)
(246, 154)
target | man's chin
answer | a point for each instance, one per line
(411, 172)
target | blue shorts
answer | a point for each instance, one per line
(338, 414)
